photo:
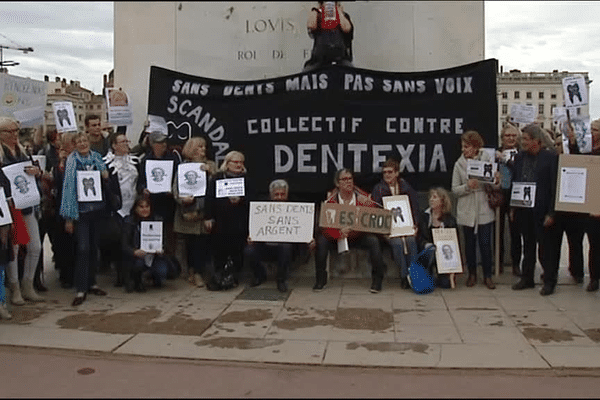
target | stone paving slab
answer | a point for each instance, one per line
(19, 335)
(226, 348)
(571, 356)
(387, 354)
(513, 355)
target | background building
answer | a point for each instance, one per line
(541, 89)
(84, 102)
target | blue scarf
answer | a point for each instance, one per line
(69, 206)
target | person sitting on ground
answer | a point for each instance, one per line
(437, 215)
(279, 251)
(138, 259)
(404, 248)
(345, 192)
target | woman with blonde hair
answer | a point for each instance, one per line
(473, 212)
(12, 152)
(190, 213)
(227, 219)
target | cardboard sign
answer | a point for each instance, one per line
(64, 115)
(523, 194)
(481, 170)
(363, 219)
(191, 180)
(577, 189)
(281, 221)
(159, 175)
(151, 236)
(447, 250)
(89, 187)
(402, 221)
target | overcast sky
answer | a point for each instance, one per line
(75, 40)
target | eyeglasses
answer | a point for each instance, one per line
(348, 178)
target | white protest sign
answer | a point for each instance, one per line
(523, 114)
(120, 111)
(159, 175)
(191, 180)
(151, 236)
(231, 187)
(509, 155)
(157, 124)
(583, 133)
(523, 194)
(64, 115)
(23, 187)
(402, 221)
(23, 98)
(572, 185)
(41, 159)
(89, 187)
(481, 170)
(575, 91)
(288, 222)
(5, 217)
(447, 251)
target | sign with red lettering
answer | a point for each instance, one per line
(363, 219)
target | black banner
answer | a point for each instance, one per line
(304, 127)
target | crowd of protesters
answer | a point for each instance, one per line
(89, 236)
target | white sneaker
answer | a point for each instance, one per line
(198, 280)
(4, 314)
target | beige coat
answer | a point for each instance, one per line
(189, 219)
(472, 207)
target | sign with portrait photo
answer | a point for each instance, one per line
(23, 187)
(5, 217)
(151, 236)
(523, 194)
(402, 221)
(483, 171)
(64, 116)
(89, 187)
(120, 111)
(447, 251)
(159, 175)
(191, 180)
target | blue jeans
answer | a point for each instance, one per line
(87, 230)
(255, 252)
(484, 237)
(398, 247)
(158, 269)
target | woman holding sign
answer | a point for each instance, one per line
(11, 152)
(473, 212)
(227, 218)
(189, 212)
(83, 217)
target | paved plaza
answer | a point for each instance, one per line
(344, 325)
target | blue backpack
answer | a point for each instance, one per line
(420, 279)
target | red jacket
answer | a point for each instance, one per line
(362, 199)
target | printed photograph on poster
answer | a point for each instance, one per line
(281, 221)
(120, 111)
(509, 155)
(402, 220)
(231, 187)
(159, 175)
(64, 116)
(89, 187)
(191, 180)
(151, 236)
(523, 194)
(5, 217)
(447, 251)
(575, 91)
(572, 185)
(583, 134)
(522, 114)
(481, 170)
(23, 187)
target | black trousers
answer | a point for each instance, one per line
(573, 225)
(547, 242)
(592, 228)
